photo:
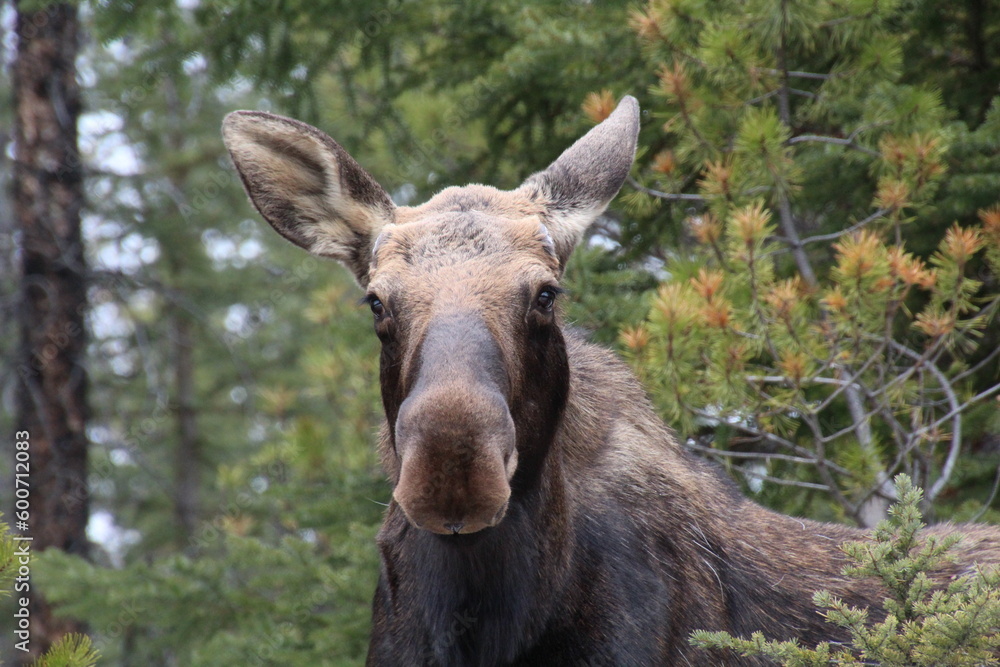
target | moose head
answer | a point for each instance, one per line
(463, 288)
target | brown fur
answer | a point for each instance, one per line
(542, 514)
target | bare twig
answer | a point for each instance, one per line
(849, 143)
(761, 98)
(989, 501)
(955, 415)
(782, 379)
(803, 93)
(986, 393)
(669, 196)
(729, 454)
(784, 482)
(836, 235)
(795, 74)
(824, 466)
(792, 238)
(802, 452)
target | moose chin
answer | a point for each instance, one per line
(537, 497)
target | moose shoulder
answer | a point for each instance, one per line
(542, 514)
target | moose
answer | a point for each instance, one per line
(541, 513)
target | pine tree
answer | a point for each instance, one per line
(928, 624)
(70, 650)
(797, 332)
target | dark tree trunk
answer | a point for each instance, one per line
(48, 196)
(188, 461)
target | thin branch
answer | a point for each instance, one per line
(761, 98)
(682, 196)
(770, 437)
(792, 235)
(849, 429)
(955, 415)
(853, 381)
(986, 393)
(803, 93)
(755, 302)
(989, 501)
(784, 482)
(833, 140)
(824, 465)
(986, 360)
(781, 379)
(725, 453)
(844, 19)
(807, 75)
(856, 226)
(981, 364)
(794, 74)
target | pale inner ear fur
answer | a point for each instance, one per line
(579, 185)
(308, 187)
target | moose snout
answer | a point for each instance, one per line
(457, 457)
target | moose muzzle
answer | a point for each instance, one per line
(455, 436)
(458, 454)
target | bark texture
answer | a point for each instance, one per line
(48, 197)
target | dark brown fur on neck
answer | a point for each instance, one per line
(542, 514)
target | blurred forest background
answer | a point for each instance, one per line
(804, 269)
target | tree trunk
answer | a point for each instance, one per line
(187, 469)
(52, 386)
(188, 461)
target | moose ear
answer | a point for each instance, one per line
(580, 184)
(308, 188)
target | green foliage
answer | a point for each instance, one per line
(776, 99)
(276, 563)
(72, 650)
(424, 94)
(281, 569)
(953, 47)
(605, 293)
(808, 320)
(244, 600)
(926, 623)
(774, 358)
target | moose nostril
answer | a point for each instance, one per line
(455, 527)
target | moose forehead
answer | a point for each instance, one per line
(475, 235)
(315, 195)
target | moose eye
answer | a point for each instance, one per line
(546, 299)
(378, 308)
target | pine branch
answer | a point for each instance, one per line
(775, 439)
